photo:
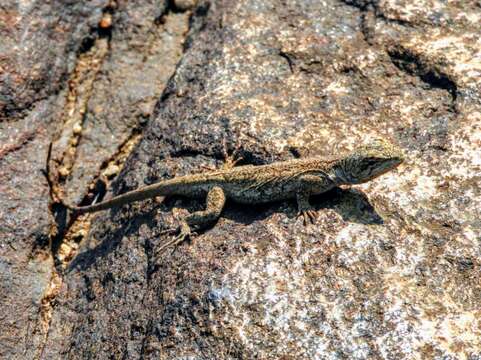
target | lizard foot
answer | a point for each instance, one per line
(184, 234)
(309, 216)
(230, 160)
(169, 231)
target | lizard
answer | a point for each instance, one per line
(249, 184)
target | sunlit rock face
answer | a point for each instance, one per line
(391, 268)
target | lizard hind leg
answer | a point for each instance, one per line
(199, 219)
(184, 233)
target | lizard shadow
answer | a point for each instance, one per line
(111, 230)
(351, 204)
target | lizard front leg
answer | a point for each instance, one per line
(307, 185)
(200, 219)
(305, 208)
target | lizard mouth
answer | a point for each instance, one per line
(391, 165)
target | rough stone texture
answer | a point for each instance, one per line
(144, 49)
(24, 225)
(44, 49)
(38, 46)
(391, 269)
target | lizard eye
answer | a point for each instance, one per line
(369, 163)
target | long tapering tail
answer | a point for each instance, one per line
(128, 197)
(146, 192)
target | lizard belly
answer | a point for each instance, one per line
(250, 194)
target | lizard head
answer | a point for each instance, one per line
(369, 161)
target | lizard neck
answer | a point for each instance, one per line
(339, 175)
(328, 169)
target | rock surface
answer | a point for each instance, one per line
(60, 65)
(391, 268)
(38, 46)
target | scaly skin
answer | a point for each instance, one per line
(296, 179)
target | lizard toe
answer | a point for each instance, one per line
(172, 242)
(169, 231)
(184, 234)
(309, 216)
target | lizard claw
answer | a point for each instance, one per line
(169, 231)
(230, 160)
(184, 234)
(309, 216)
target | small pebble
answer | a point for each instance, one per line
(111, 170)
(77, 129)
(63, 171)
(106, 21)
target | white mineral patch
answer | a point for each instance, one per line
(336, 87)
(426, 187)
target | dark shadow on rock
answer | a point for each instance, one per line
(352, 204)
(110, 240)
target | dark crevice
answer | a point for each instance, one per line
(152, 265)
(288, 59)
(172, 7)
(295, 152)
(367, 27)
(360, 4)
(186, 152)
(202, 10)
(369, 12)
(197, 22)
(96, 195)
(169, 8)
(373, 6)
(23, 140)
(86, 44)
(406, 61)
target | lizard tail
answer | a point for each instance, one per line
(165, 187)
